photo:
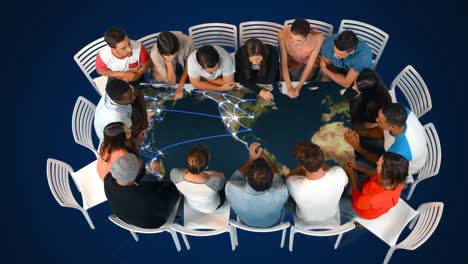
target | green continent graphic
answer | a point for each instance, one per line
(330, 138)
(336, 109)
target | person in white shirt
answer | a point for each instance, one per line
(202, 189)
(211, 68)
(315, 187)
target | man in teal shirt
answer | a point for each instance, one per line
(343, 57)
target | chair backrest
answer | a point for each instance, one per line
(267, 32)
(434, 157)
(414, 89)
(82, 122)
(325, 28)
(57, 176)
(221, 34)
(373, 36)
(389, 225)
(150, 40)
(86, 59)
(429, 217)
(91, 185)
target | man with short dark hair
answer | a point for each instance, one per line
(402, 132)
(315, 187)
(211, 68)
(122, 58)
(343, 57)
(169, 57)
(256, 193)
(146, 205)
(118, 105)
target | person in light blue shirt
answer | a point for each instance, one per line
(343, 57)
(256, 193)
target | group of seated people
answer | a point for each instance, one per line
(388, 139)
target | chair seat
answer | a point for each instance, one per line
(218, 219)
(90, 185)
(388, 226)
(101, 82)
(278, 227)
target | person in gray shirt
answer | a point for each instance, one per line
(256, 193)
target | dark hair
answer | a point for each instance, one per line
(395, 113)
(346, 41)
(207, 56)
(300, 27)
(260, 175)
(394, 169)
(197, 159)
(115, 138)
(116, 88)
(309, 155)
(113, 36)
(368, 79)
(254, 47)
(168, 43)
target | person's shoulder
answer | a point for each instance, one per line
(284, 33)
(177, 175)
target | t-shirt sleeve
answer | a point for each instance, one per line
(144, 56)
(327, 47)
(227, 65)
(215, 182)
(176, 175)
(192, 66)
(401, 147)
(237, 176)
(100, 64)
(362, 62)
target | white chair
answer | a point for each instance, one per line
(267, 32)
(373, 36)
(325, 28)
(237, 224)
(414, 89)
(221, 34)
(86, 60)
(86, 180)
(82, 122)
(318, 231)
(202, 225)
(434, 157)
(150, 40)
(164, 228)
(427, 221)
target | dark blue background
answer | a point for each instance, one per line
(46, 83)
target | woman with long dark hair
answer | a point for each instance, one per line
(257, 63)
(116, 143)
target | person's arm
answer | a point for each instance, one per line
(352, 138)
(254, 153)
(222, 80)
(375, 132)
(310, 65)
(179, 91)
(348, 168)
(345, 81)
(140, 71)
(284, 63)
(124, 76)
(210, 86)
(171, 75)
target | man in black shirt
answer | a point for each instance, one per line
(145, 205)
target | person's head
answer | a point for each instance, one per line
(259, 175)
(392, 116)
(393, 169)
(309, 156)
(120, 92)
(208, 58)
(367, 79)
(168, 44)
(256, 53)
(118, 40)
(117, 135)
(300, 30)
(197, 159)
(345, 44)
(125, 169)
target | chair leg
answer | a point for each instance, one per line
(232, 237)
(235, 236)
(389, 255)
(283, 237)
(338, 240)
(176, 239)
(413, 186)
(134, 235)
(86, 215)
(187, 244)
(291, 239)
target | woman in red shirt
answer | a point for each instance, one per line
(380, 191)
